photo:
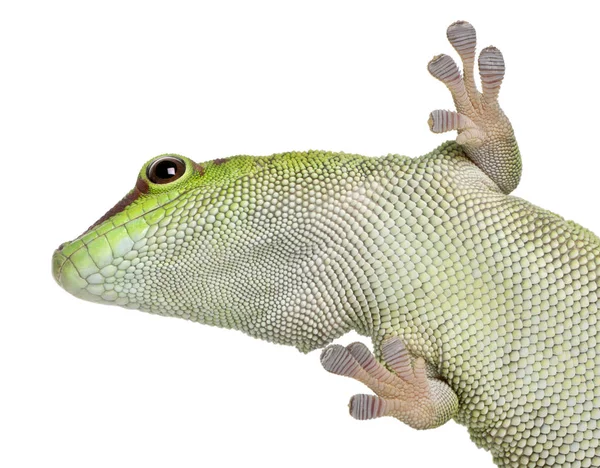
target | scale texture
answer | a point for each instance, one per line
(494, 299)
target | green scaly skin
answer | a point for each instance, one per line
(494, 299)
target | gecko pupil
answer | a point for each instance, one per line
(166, 170)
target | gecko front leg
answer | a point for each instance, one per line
(484, 131)
(405, 392)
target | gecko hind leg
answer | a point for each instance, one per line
(484, 131)
(405, 391)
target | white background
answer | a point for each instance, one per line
(91, 90)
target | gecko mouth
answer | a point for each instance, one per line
(66, 275)
(58, 260)
(69, 278)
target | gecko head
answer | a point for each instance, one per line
(125, 256)
(222, 243)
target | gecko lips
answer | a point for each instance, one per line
(81, 266)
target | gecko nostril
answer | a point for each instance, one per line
(60, 247)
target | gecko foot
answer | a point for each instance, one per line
(483, 130)
(405, 391)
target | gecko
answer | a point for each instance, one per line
(481, 307)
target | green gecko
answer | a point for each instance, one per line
(481, 307)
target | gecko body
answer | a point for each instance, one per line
(481, 307)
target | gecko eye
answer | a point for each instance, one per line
(165, 170)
